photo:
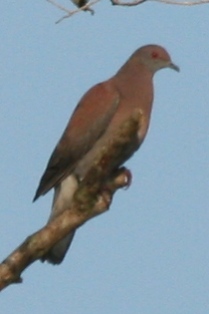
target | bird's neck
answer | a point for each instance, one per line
(135, 81)
(134, 70)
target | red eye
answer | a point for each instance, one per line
(154, 55)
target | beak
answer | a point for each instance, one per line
(174, 67)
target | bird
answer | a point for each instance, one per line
(82, 3)
(97, 117)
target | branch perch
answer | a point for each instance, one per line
(92, 198)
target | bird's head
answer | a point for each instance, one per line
(155, 58)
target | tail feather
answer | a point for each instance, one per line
(62, 200)
(59, 250)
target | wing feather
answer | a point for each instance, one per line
(88, 122)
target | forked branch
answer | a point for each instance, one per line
(88, 5)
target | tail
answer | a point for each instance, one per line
(62, 200)
(59, 250)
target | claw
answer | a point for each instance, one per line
(128, 177)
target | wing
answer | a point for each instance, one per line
(88, 122)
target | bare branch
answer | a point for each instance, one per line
(184, 3)
(137, 2)
(92, 198)
(128, 4)
(86, 7)
(59, 6)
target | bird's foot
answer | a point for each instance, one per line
(121, 177)
(127, 176)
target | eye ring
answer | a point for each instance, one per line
(154, 55)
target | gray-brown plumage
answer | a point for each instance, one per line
(97, 117)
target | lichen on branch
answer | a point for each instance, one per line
(92, 198)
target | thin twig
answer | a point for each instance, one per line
(127, 4)
(86, 7)
(59, 6)
(184, 3)
(137, 2)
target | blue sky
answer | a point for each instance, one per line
(149, 253)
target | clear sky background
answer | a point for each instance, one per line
(150, 253)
